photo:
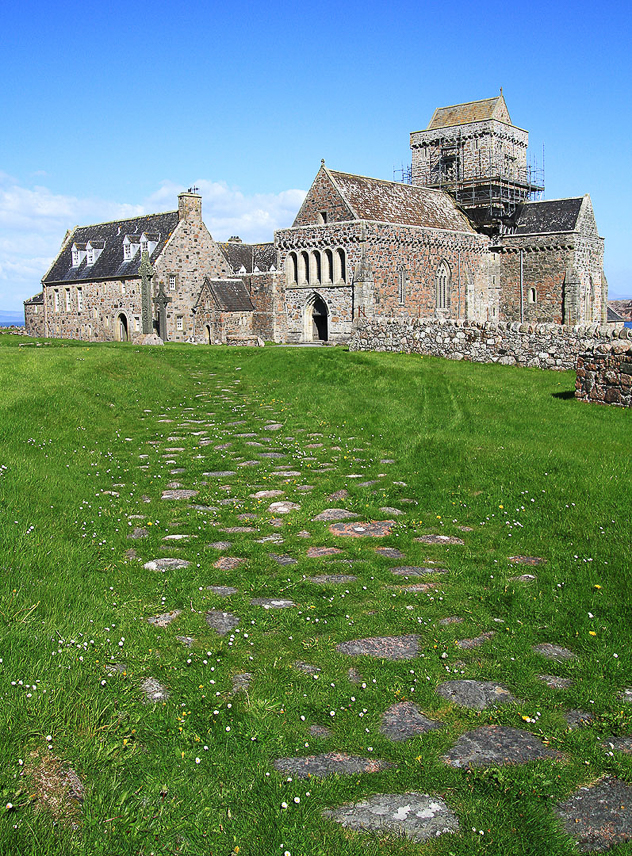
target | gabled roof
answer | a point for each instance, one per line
(472, 111)
(614, 316)
(230, 295)
(548, 217)
(110, 264)
(404, 204)
(249, 256)
(36, 299)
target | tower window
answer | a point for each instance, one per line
(533, 295)
(443, 286)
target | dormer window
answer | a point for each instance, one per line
(78, 254)
(131, 244)
(149, 242)
(93, 251)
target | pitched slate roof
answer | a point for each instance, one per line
(110, 264)
(404, 204)
(36, 299)
(614, 316)
(548, 217)
(230, 295)
(249, 256)
(472, 111)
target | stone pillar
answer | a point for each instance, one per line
(146, 271)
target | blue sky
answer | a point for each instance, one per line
(109, 110)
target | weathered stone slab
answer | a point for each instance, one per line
(283, 560)
(154, 691)
(166, 564)
(273, 426)
(179, 494)
(415, 587)
(222, 591)
(621, 744)
(221, 545)
(228, 563)
(414, 571)
(178, 537)
(354, 676)
(555, 682)
(554, 652)
(338, 495)
(497, 745)
(389, 552)
(307, 668)
(222, 622)
(404, 720)
(138, 533)
(319, 552)
(598, 817)
(375, 529)
(385, 647)
(395, 512)
(287, 473)
(220, 474)
(329, 764)
(626, 695)
(303, 534)
(335, 514)
(413, 815)
(186, 640)
(523, 578)
(272, 603)
(526, 560)
(476, 641)
(241, 682)
(451, 619)
(267, 494)
(164, 619)
(439, 539)
(331, 579)
(238, 530)
(283, 507)
(477, 695)
(203, 508)
(577, 718)
(319, 731)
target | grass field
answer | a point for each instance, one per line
(85, 439)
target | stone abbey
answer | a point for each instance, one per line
(466, 238)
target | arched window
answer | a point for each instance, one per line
(315, 269)
(533, 295)
(443, 286)
(401, 284)
(303, 268)
(340, 266)
(328, 266)
(291, 269)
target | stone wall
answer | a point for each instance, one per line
(545, 346)
(34, 319)
(604, 374)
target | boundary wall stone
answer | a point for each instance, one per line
(544, 346)
(604, 375)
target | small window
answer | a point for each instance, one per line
(35, 310)
(137, 324)
(172, 282)
(443, 286)
(401, 285)
(127, 252)
(179, 323)
(67, 300)
(56, 300)
(322, 217)
(533, 295)
(90, 259)
(123, 288)
(79, 299)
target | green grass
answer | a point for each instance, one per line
(506, 451)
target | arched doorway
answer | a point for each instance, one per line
(121, 328)
(316, 320)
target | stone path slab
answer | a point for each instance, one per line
(272, 603)
(166, 564)
(221, 545)
(222, 622)
(414, 571)
(404, 720)
(389, 552)
(385, 647)
(476, 641)
(439, 539)
(523, 578)
(599, 816)
(164, 619)
(241, 682)
(387, 509)
(554, 652)
(283, 560)
(327, 579)
(186, 640)
(179, 494)
(451, 619)
(497, 745)
(219, 474)
(238, 530)
(154, 691)
(138, 533)
(320, 552)
(267, 494)
(416, 587)
(319, 731)
(283, 507)
(526, 560)
(228, 563)
(413, 815)
(556, 683)
(476, 695)
(376, 529)
(335, 514)
(339, 494)
(329, 764)
(577, 718)
(222, 591)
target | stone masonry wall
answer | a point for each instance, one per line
(34, 319)
(545, 346)
(604, 374)
(101, 305)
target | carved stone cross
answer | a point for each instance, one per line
(161, 300)
(146, 271)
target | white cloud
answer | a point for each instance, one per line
(34, 220)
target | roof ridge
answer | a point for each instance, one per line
(466, 103)
(125, 219)
(330, 173)
(389, 181)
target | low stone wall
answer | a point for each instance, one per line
(545, 346)
(604, 375)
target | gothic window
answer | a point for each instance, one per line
(443, 286)
(291, 268)
(315, 271)
(401, 284)
(328, 266)
(340, 266)
(303, 268)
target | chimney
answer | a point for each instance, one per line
(190, 206)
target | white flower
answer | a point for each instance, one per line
(297, 800)
(197, 760)
(283, 805)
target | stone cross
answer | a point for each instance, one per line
(161, 300)
(146, 271)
